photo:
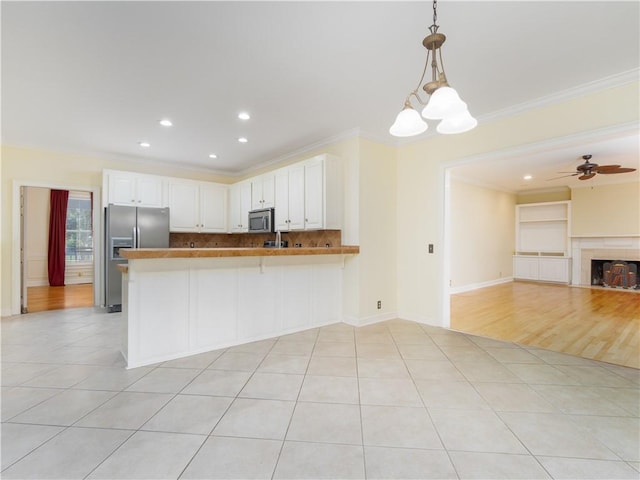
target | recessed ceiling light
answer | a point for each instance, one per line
(244, 116)
(243, 140)
(213, 155)
(527, 177)
(144, 144)
(165, 122)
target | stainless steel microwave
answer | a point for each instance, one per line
(261, 221)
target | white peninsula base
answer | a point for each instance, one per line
(175, 307)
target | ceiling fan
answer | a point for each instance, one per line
(588, 170)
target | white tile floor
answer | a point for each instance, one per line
(392, 400)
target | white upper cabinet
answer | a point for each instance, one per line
(263, 191)
(309, 196)
(213, 208)
(133, 189)
(314, 194)
(239, 206)
(281, 194)
(197, 207)
(289, 198)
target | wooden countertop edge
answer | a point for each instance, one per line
(123, 267)
(148, 253)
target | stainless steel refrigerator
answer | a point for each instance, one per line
(129, 227)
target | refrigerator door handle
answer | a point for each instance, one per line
(138, 242)
(135, 237)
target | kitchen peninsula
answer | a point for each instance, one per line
(183, 301)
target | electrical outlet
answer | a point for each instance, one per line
(379, 304)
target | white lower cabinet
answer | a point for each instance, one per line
(180, 307)
(156, 334)
(547, 269)
(256, 303)
(525, 267)
(213, 301)
(554, 269)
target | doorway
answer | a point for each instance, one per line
(79, 251)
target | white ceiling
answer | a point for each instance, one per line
(96, 77)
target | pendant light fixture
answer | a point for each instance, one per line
(444, 103)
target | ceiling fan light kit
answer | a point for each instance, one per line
(444, 103)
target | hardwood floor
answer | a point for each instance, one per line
(55, 298)
(600, 324)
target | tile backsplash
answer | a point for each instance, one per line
(319, 238)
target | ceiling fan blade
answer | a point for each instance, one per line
(586, 176)
(617, 170)
(605, 168)
(563, 176)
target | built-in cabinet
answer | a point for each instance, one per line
(197, 207)
(308, 195)
(138, 190)
(289, 198)
(263, 191)
(239, 206)
(543, 242)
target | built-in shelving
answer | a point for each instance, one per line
(543, 242)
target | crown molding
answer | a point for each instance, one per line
(616, 80)
(347, 135)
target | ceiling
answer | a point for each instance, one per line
(96, 77)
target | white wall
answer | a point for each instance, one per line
(482, 235)
(606, 210)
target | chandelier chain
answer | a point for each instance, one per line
(434, 28)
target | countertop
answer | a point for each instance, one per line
(142, 253)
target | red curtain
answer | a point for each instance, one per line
(57, 236)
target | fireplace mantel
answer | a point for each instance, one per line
(586, 248)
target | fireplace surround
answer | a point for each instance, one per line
(586, 249)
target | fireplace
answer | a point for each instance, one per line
(615, 273)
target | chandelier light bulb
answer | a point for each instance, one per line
(408, 123)
(460, 123)
(444, 102)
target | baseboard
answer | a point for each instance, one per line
(476, 286)
(418, 318)
(360, 322)
(6, 312)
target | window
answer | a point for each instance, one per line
(79, 241)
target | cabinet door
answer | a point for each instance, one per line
(554, 269)
(239, 206)
(122, 189)
(314, 195)
(268, 191)
(184, 213)
(296, 197)
(149, 192)
(525, 268)
(281, 200)
(256, 193)
(213, 209)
